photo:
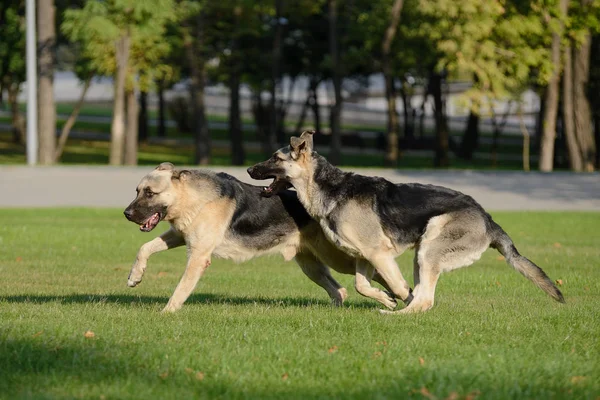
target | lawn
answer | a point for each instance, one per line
(71, 328)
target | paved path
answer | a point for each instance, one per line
(103, 186)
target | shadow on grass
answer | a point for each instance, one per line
(202, 298)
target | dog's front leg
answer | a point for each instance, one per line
(167, 240)
(198, 262)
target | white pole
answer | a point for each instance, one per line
(31, 59)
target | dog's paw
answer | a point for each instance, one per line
(134, 279)
(169, 309)
(390, 303)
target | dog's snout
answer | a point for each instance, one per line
(250, 170)
(128, 213)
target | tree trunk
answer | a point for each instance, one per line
(46, 58)
(196, 62)
(143, 118)
(303, 113)
(498, 128)
(117, 129)
(271, 138)
(335, 154)
(441, 125)
(470, 139)
(581, 104)
(64, 134)
(391, 156)
(314, 104)
(131, 137)
(235, 125)
(409, 128)
(525, 134)
(568, 122)
(546, 162)
(162, 131)
(17, 120)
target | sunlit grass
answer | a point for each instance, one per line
(262, 330)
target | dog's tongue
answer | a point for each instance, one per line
(152, 221)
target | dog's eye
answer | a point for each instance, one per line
(149, 194)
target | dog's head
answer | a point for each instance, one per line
(286, 165)
(156, 193)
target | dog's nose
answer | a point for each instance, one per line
(250, 169)
(128, 213)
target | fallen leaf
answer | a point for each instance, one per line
(426, 393)
(164, 375)
(285, 376)
(117, 269)
(586, 288)
(572, 350)
(19, 259)
(578, 379)
(557, 245)
(559, 282)
(332, 349)
(500, 258)
(89, 334)
(102, 397)
(161, 274)
(382, 343)
(453, 396)
(188, 370)
(472, 395)
(199, 376)
(421, 361)
(498, 283)
(38, 334)
(377, 354)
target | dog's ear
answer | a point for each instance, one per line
(166, 166)
(302, 144)
(182, 175)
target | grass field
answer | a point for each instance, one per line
(262, 330)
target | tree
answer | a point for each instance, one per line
(336, 141)
(391, 157)
(546, 161)
(12, 60)
(119, 38)
(46, 32)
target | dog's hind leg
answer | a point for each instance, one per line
(319, 274)
(450, 241)
(364, 273)
(167, 240)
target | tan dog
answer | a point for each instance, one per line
(215, 214)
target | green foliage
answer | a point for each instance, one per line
(12, 42)
(263, 330)
(504, 44)
(99, 24)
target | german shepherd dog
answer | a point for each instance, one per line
(215, 214)
(375, 220)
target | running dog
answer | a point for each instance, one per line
(374, 221)
(215, 214)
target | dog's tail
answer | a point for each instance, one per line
(503, 243)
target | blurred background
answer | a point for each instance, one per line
(398, 83)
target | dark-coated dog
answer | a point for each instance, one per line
(375, 220)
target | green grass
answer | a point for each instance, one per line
(262, 330)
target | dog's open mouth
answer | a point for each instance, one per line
(275, 187)
(150, 223)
